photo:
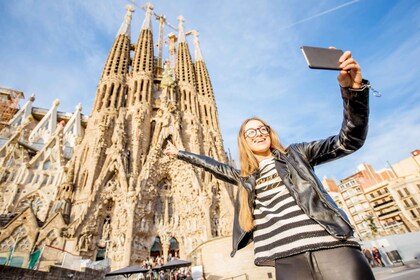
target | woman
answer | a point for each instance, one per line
(282, 206)
(377, 256)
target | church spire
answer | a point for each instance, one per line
(184, 65)
(110, 93)
(143, 63)
(181, 32)
(197, 51)
(143, 55)
(125, 28)
(207, 104)
(147, 23)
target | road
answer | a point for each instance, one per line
(410, 274)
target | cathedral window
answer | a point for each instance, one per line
(30, 177)
(45, 180)
(170, 207)
(46, 165)
(125, 97)
(159, 206)
(141, 86)
(5, 176)
(111, 91)
(152, 130)
(109, 206)
(164, 186)
(117, 97)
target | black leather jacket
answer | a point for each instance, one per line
(296, 170)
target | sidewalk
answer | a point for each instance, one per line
(383, 271)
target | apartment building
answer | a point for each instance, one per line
(381, 202)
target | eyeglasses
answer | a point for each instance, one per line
(252, 132)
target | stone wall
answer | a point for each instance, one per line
(217, 263)
(17, 273)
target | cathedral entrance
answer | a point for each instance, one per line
(156, 250)
(173, 248)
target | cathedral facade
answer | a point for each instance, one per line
(100, 186)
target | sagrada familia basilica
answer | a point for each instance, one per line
(100, 186)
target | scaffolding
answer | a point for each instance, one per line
(9, 105)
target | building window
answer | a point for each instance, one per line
(413, 214)
(406, 191)
(400, 193)
(414, 203)
(406, 203)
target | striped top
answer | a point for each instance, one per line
(282, 229)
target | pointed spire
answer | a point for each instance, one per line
(125, 28)
(197, 51)
(147, 23)
(181, 34)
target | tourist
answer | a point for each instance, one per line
(282, 205)
(377, 256)
(368, 256)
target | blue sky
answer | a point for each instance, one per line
(57, 49)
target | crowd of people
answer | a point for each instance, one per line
(376, 258)
(153, 264)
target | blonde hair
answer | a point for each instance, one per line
(249, 164)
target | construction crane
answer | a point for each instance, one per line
(162, 22)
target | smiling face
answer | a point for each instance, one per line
(261, 142)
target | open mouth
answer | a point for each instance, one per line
(259, 141)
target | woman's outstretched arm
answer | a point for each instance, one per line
(353, 132)
(220, 170)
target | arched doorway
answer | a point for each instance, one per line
(173, 248)
(156, 249)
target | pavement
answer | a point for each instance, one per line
(381, 272)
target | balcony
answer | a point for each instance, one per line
(379, 196)
(382, 205)
(389, 214)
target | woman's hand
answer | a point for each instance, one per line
(170, 150)
(350, 73)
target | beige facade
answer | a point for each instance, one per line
(100, 186)
(358, 206)
(382, 202)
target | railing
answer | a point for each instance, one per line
(242, 276)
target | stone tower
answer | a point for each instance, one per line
(121, 194)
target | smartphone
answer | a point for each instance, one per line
(322, 58)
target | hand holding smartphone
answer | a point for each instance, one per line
(322, 58)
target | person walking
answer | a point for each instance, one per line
(377, 256)
(368, 256)
(295, 225)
